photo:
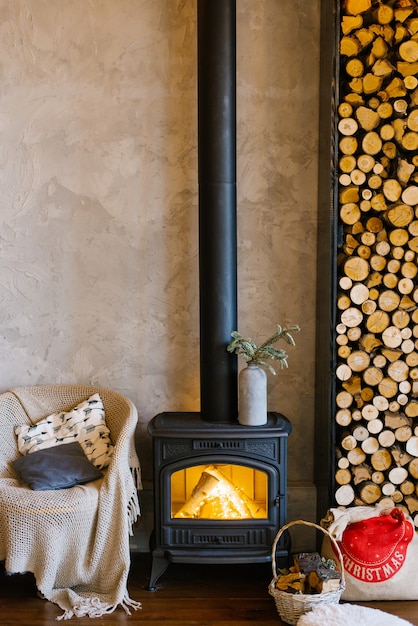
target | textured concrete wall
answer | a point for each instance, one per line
(98, 200)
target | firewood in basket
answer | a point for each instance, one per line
(292, 583)
(319, 577)
(306, 562)
(323, 580)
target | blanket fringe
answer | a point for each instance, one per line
(134, 511)
(94, 607)
(136, 475)
(127, 603)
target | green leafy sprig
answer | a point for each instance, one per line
(258, 354)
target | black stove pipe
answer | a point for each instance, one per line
(216, 28)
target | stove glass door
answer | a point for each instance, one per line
(219, 492)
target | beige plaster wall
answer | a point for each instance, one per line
(98, 201)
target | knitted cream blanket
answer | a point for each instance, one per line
(75, 541)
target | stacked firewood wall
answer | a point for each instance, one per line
(377, 316)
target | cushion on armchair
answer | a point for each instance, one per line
(58, 467)
(85, 423)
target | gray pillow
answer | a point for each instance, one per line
(58, 467)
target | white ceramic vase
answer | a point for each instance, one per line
(252, 395)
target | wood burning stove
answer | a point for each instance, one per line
(219, 490)
(219, 487)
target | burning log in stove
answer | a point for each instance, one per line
(216, 497)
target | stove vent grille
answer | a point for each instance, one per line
(210, 444)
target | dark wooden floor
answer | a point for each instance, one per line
(187, 595)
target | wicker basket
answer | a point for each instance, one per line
(290, 606)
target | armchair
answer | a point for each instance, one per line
(75, 540)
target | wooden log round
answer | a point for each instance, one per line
(377, 322)
(370, 445)
(392, 189)
(390, 280)
(343, 417)
(412, 360)
(344, 399)
(393, 266)
(357, 177)
(400, 319)
(356, 456)
(344, 495)
(385, 110)
(343, 462)
(354, 333)
(398, 237)
(388, 488)
(403, 433)
(360, 433)
(413, 468)
(378, 478)
(407, 488)
(389, 300)
(357, 269)
(368, 307)
(377, 262)
(372, 376)
(350, 213)
(375, 182)
(343, 350)
(370, 493)
(347, 163)
(400, 215)
(411, 446)
(358, 360)
(345, 109)
(369, 412)
(343, 302)
(345, 282)
(351, 317)
(371, 143)
(367, 394)
(410, 194)
(388, 387)
(392, 337)
(409, 269)
(411, 409)
(398, 370)
(381, 403)
(406, 286)
(365, 163)
(343, 476)
(398, 475)
(407, 346)
(381, 460)
(349, 442)
(408, 51)
(348, 145)
(374, 426)
(383, 248)
(343, 372)
(347, 126)
(386, 438)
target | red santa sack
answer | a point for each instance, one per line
(379, 549)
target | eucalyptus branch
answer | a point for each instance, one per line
(258, 354)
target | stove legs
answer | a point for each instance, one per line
(158, 567)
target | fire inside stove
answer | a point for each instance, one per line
(219, 492)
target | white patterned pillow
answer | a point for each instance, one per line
(85, 424)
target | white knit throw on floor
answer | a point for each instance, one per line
(77, 550)
(349, 615)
